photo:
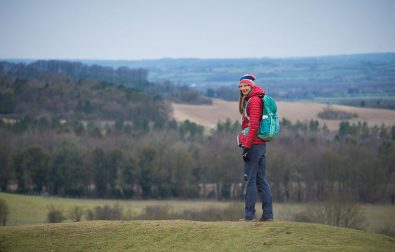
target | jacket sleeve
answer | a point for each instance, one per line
(254, 110)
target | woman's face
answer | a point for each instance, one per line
(245, 88)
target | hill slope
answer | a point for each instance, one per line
(189, 236)
(209, 115)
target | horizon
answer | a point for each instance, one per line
(196, 58)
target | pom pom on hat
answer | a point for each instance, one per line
(248, 79)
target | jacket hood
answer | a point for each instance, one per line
(256, 91)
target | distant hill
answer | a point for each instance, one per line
(335, 69)
(120, 75)
(190, 236)
(370, 77)
(63, 97)
(130, 77)
(365, 80)
(373, 67)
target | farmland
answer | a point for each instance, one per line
(209, 115)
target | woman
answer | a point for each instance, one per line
(254, 150)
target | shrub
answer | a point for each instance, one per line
(54, 215)
(76, 213)
(157, 212)
(304, 216)
(105, 213)
(3, 212)
(232, 212)
(331, 114)
(387, 230)
(90, 214)
(339, 212)
(129, 215)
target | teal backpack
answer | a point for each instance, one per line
(269, 126)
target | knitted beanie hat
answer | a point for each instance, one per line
(248, 79)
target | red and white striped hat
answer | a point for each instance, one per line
(248, 79)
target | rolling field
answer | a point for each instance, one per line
(209, 115)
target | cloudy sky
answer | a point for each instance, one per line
(150, 29)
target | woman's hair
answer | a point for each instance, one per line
(242, 100)
(249, 79)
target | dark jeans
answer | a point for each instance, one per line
(256, 181)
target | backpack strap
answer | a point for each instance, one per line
(245, 110)
(263, 116)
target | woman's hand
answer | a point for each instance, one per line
(245, 153)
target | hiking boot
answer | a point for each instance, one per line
(265, 219)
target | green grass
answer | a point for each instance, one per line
(26, 210)
(180, 235)
(379, 216)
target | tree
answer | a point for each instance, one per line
(7, 101)
(313, 126)
(20, 85)
(3, 212)
(37, 162)
(128, 177)
(221, 163)
(147, 174)
(177, 177)
(5, 152)
(114, 160)
(67, 175)
(99, 171)
(32, 169)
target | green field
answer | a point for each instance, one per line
(28, 210)
(181, 235)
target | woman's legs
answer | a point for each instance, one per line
(265, 191)
(255, 170)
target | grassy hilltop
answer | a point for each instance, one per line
(190, 236)
(180, 235)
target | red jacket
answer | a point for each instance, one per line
(254, 112)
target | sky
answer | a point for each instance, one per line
(154, 29)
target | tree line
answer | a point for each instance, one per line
(71, 73)
(120, 75)
(175, 160)
(63, 97)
